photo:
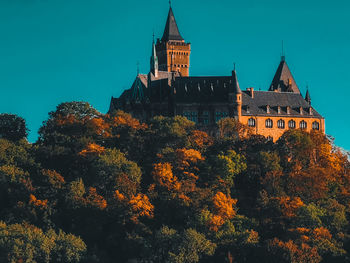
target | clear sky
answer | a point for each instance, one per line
(52, 51)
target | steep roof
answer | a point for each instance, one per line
(236, 88)
(257, 105)
(202, 89)
(171, 31)
(283, 80)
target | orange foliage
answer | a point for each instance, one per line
(141, 205)
(224, 205)
(289, 206)
(100, 127)
(216, 222)
(125, 119)
(66, 120)
(188, 157)
(36, 202)
(119, 196)
(321, 233)
(292, 252)
(92, 148)
(200, 139)
(95, 199)
(163, 175)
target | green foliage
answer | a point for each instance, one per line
(12, 127)
(228, 165)
(27, 243)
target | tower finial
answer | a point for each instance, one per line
(138, 67)
(153, 35)
(283, 57)
(169, 3)
(234, 66)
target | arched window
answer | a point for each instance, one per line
(280, 124)
(302, 125)
(315, 125)
(268, 123)
(291, 124)
(251, 122)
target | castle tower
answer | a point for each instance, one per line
(237, 95)
(172, 51)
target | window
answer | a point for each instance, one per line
(269, 138)
(251, 122)
(291, 124)
(205, 117)
(315, 125)
(268, 123)
(288, 111)
(220, 115)
(191, 115)
(194, 115)
(267, 109)
(280, 124)
(302, 125)
(279, 110)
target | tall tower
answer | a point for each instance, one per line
(172, 51)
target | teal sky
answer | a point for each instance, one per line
(52, 51)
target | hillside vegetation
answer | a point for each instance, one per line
(108, 188)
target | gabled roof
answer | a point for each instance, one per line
(283, 80)
(171, 31)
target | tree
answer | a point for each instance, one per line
(12, 127)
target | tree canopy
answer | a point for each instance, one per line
(100, 188)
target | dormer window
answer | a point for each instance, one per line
(279, 110)
(267, 109)
(301, 111)
(288, 110)
(247, 109)
(310, 111)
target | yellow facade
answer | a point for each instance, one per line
(275, 132)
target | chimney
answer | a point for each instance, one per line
(251, 92)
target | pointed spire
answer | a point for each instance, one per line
(154, 60)
(236, 88)
(171, 31)
(283, 57)
(283, 80)
(307, 96)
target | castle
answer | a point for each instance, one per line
(169, 90)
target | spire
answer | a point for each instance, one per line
(236, 88)
(307, 96)
(154, 60)
(283, 80)
(171, 31)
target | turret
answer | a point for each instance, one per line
(307, 97)
(237, 94)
